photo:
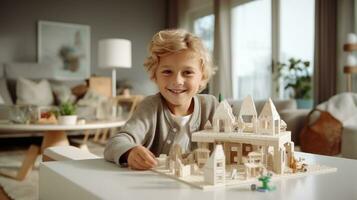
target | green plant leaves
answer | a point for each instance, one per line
(67, 109)
(297, 76)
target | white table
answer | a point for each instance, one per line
(98, 179)
(53, 135)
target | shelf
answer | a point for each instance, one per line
(350, 47)
(350, 69)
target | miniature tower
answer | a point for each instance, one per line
(223, 118)
(215, 168)
(247, 109)
(269, 119)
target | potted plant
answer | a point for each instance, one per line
(67, 114)
(296, 76)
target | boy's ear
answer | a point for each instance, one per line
(202, 84)
(154, 79)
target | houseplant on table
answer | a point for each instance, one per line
(296, 75)
(67, 114)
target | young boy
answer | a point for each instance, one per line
(181, 67)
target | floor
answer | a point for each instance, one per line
(22, 144)
(3, 195)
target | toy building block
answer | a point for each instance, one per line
(201, 156)
(269, 119)
(223, 118)
(208, 126)
(161, 160)
(182, 170)
(175, 152)
(234, 174)
(194, 169)
(243, 149)
(215, 168)
(248, 110)
(240, 125)
(283, 125)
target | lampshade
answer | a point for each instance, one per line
(114, 53)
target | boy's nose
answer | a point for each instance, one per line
(178, 79)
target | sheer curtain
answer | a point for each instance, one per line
(252, 49)
(222, 81)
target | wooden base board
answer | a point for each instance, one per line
(198, 180)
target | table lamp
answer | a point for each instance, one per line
(114, 53)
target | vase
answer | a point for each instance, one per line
(67, 120)
(304, 103)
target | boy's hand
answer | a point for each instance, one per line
(141, 158)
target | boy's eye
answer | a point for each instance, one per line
(166, 72)
(188, 73)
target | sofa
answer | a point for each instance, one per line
(33, 84)
(288, 111)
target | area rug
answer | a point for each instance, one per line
(28, 189)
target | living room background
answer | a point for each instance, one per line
(134, 20)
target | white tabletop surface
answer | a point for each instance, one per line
(98, 179)
(57, 127)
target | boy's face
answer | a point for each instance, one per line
(179, 77)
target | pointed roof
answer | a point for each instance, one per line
(269, 110)
(224, 110)
(208, 125)
(248, 107)
(218, 153)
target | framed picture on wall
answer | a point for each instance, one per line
(65, 47)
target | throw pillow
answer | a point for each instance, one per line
(63, 93)
(91, 98)
(4, 92)
(30, 92)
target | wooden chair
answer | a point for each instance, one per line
(103, 86)
(131, 102)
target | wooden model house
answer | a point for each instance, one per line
(215, 168)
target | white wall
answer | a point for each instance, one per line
(136, 20)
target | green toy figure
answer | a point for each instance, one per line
(265, 184)
(220, 98)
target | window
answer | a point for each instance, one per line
(251, 49)
(263, 31)
(204, 28)
(255, 43)
(296, 33)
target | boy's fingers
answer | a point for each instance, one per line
(152, 154)
(137, 164)
(148, 158)
(142, 163)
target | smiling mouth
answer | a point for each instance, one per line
(176, 91)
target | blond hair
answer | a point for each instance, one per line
(168, 42)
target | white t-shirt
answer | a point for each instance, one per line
(1, 100)
(182, 138)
